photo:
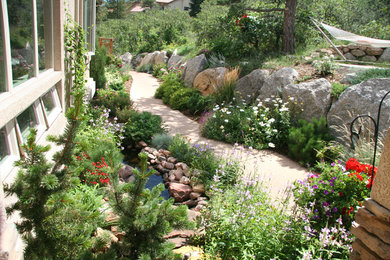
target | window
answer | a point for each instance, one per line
(45, 34)
(4, 148)
(88, 22)
(27, 120)
(51, 106)
(20, 19)
(3, 82)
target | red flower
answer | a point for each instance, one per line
(341, 194)
(352, 164)
(245, 16)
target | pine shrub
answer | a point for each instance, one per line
(306, 139)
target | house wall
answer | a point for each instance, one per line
(179, 4)
(37, 98)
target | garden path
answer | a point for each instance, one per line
(275, 169)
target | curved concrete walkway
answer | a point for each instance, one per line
(275, 169)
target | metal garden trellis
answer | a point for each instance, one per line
(376, 134)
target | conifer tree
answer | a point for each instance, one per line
(145, 217)
(195, 7)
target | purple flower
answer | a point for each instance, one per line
(324, 204)
(328, 213)
(333, 164)
(316, 217)
(326, 192)
(334, 209)
(315, 187)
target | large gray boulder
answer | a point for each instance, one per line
(126, 58)
(136, 61)
(275, 83)
(174, 61)
(248, 87)
(313, 97)
(160, 57)
(193, 67)
(360, 99)
(385, 56)
(157, 57)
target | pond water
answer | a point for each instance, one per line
(153, 181)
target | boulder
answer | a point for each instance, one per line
(248, 87)
(135, 62)
(199, 188)
(193, 67)
(358, 53)
(195, 195)
(160, 57)
(148, 59)
(372, 51)
(131, 179)
(360, 99)
(209, 80)
(125, 172)
(180, 192)
(352, 46)
(177, 173)
(168, 165)
(185, 180)
(313, 97)
(175, 61)
(275, 83)
(348, 78)
(349, 56)
(126, 58)
(369, 58)
(385, 56)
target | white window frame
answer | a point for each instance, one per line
(40, 126)
(7, 164)
(49, 119)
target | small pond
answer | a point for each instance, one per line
(153, 181)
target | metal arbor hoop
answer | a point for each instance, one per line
(376, 134)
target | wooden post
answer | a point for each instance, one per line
(107, 43)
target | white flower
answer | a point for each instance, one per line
(271, 120)
(242, 110)
(255, 108)
(271, 145)
(283, 109)
(221, 127)
(228, 112)
(226, 120)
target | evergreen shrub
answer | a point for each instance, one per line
(97, 65)
(141, 127)
(306, 139)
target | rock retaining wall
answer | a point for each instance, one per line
(364, 53)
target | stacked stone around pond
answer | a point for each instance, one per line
(177, 178)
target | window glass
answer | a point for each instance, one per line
(88, 22)
(4, 151)
(3, 86)
(45, 32)
(48, 102)
(26, 121)
(22, 41)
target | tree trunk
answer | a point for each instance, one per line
(288, 42)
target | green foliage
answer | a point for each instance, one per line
(257, 126)
(370, 74)
(325, 66)
(180, 98)
(97, 65)
(338, 89)
(75, 217)
(147, 68)
(145, 217)
(159, 70)
(334, 193)
(204, 162)
(146, 32)
(306, 139)
(141, 127)
(161, 141)
(242, 222)
(115, 101)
